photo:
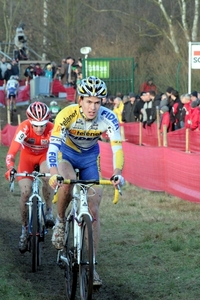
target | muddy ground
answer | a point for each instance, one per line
(49, 280)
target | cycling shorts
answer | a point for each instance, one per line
(27, 162)
(11, 92)
(87, 161)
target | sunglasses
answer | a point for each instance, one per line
(39, 126)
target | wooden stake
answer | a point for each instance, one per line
(164, 135)
(187, 138)
(158, 125)
(140, 133)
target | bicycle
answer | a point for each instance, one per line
(77, 255)
(36, 216)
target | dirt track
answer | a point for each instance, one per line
(49, 280)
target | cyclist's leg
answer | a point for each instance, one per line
(25, 185)
(64, 197)
(47, 193)
(14, 103)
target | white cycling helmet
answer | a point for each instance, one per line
(38, 113)
(92, 86)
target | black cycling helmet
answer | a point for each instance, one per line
(92, 86)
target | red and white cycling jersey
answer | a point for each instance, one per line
(30, 143)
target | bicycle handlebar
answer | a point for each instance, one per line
(34, 174)
(88, 182)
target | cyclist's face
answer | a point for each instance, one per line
(39, 130)
(90, 106)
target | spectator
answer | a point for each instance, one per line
(194, 95)
(63, 71)
(3, 66)
(186, 111)
(164, 119)
(38, 70)
(58, 75)
(138, 107)
(147, 110)
(125, 99)
(168, 93)
(29, 73)
(195, 115)
(8, 73)
(148, 86)
(104, 101)
(15, 67)
(110, 102)
(176, 110)
(118, 108)
(120, 95)
(128, 111)
(155, 103)
(70, 74)
(49, 72)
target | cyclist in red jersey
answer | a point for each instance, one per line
(32, 138)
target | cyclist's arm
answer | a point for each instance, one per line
(15, 146)
(52, 154)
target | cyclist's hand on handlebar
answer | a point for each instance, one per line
(117, 180)
(10, 174)
(55, 180)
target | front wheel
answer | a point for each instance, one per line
(35, 248)
(71, 269)
(86, 267)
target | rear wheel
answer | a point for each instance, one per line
(35, 236)
(86, 267)
(71, 269)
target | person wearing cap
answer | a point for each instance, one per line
(128, 114)
(148, 86)
(31, 139)
(194, 96)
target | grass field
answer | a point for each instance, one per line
(149, 249)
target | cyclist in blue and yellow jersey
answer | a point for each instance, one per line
(12, 88)
(75, 135)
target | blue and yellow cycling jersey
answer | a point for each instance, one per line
(72, 130)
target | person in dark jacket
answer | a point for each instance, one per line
(128, 111)
(138, 107)
(175, 113)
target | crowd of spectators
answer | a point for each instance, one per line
(168, 108)
(68, 71)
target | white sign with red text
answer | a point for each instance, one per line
(195, 63)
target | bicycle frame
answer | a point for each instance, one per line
(79, 222)
(36, 217)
